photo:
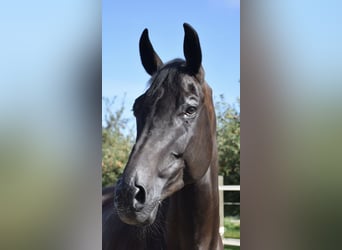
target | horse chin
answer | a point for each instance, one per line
(151, 217)
(142, 218)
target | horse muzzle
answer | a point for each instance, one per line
(132, 206)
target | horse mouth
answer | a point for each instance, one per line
(144, 217)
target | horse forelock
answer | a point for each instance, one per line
(166, 78)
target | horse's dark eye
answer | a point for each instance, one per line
(190, 110)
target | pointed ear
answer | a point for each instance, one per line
(192, 49)
(149, 58)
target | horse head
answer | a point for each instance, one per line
(175, 132)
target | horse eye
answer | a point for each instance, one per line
(190, 110)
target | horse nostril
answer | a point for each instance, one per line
(176, 155)
(140, 195)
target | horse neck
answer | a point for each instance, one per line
(193, 217)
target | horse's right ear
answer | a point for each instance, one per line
(192, 49)
(149, 58)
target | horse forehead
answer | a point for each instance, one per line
(174, 86)
(190, 86)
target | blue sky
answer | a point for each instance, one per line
(216, 21)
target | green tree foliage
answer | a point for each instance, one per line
(228, 138)
(117, 143)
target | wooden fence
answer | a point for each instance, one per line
(222, 188)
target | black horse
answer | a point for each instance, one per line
(167, 197)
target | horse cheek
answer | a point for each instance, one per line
(200, 149)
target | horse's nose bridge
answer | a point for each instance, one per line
(150, 153)
(140, 167)
(148, 148)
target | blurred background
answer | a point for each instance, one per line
(291, 124)
(50, 125)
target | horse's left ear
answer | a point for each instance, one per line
(192, 49)
(149, 58)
